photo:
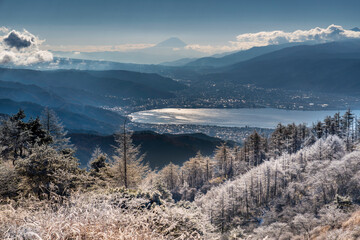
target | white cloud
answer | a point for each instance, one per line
(210, 48)
(249, 40)
(21, 48)
(4, 29)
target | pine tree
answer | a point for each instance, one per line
(52, 124)
(98, 160)
(14, 136)
(277, 140)
(45, 171)
(240, 164)
(257, 148)
(223, 159)
(17, 137)
(348, 128)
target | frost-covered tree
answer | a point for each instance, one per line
(277, 140)
(290, 139)
(45, 171)
(98, 159)
(169, 175)
(347, 126)
(128, 168)
(52, 124)
(277, 230)
(14, 136)
(196, 171)
(281, 188)
(257, 148)
(17, 137)
(224, 160)
(9, 180)
(240, 164)
(99, 167)
(304, 223)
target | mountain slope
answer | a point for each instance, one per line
(237, 56)
(81, 119)
(160, 149)
(150, 80)
(18, 92)
(29, 93)
(331, 67)
(120, 84)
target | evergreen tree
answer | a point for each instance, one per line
(17, 137)
(45, 171)
(223, 159)
(255, 142)
(240, 164)
(52, 124)
(98, 160)
(347, 125)
(277, 140)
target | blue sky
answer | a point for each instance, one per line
(110, 22)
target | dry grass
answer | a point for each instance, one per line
(353, 221)
(348, 230)
(90, 216)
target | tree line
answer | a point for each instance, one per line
(40, 160)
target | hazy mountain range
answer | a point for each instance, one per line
(78, 96)
(331, 67)
(312, 67)
(169, 50)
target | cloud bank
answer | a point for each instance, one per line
(249, 40)
(21, 48)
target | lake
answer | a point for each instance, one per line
(241, 117)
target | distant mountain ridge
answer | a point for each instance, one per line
(117, 83)
(169, 50)
(236, 57)
(331, 67)
(78, 97)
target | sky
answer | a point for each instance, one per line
(210, 26)
(111, 22)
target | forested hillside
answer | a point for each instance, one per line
(158, 148)
(300, 183)
(118, 83)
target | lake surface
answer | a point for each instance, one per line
(251, 117)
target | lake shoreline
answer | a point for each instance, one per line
(231, 117)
